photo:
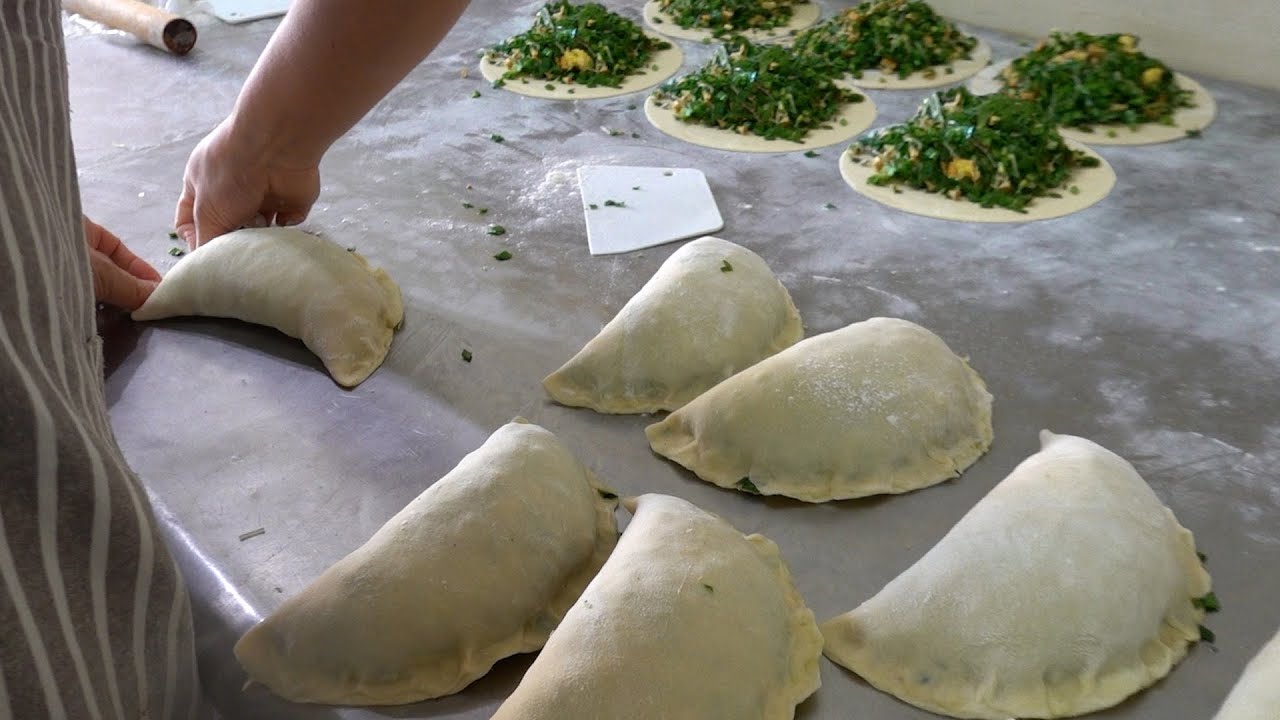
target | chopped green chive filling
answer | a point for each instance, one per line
(577, 44)
(724, 17)
(763, 90)
(993, 150)
(896, 37)
(1082, 80)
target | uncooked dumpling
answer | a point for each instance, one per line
(302, 285)
(480, 566)
(712, 309)
(881, 406)
(689, 620)
(1257, 694)
(1068, 588)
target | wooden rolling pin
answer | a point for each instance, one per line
(149, 23)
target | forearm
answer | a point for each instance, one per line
(328, 64)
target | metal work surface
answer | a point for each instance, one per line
(1147, 323)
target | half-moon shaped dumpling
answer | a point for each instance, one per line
(881, 406)
(712, 309)
(305, 286)
(1066, 589)
(1256, 695)
(688, 620)
(480, 566)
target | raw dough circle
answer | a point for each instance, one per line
(960, 70)
(1094, 183)
(859, 117)
(668, 62)
(802, 16)
(1184, 119)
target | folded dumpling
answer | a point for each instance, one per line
(480, 566)
(1066, 589)
(688, 620)
(1256, 695)
(305, 286)
(881, 406)
(712, 309)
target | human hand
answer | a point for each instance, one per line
(120, 278)
(233, 181)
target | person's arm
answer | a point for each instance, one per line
(327, 65)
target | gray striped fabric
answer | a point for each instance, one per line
(94, 619)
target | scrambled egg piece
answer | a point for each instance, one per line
(960, 168)
(1152, 75)
(575, 59)
(1128, 42)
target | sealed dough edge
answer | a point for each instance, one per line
(676, 438)
(345, 311)
(847, 643)
(806, 637)
(590, 378)
(259, 653)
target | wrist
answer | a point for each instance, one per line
(269, 135)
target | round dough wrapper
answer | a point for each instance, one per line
(1095, 183)
(802, 16)
(960, 70)
(1184, 119)
(857, 116)
(668, 62)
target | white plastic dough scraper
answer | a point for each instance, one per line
(242, 11)
(630, 208)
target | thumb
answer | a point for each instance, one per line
(113, 286)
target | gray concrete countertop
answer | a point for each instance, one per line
(1147, 323)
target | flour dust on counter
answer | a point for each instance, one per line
(713, 308)
(1065, 590)
(305, 286)
(580, 52)
(480, 566)
(880, 406)
(756, 20)
(688, 620)
(1256, 696)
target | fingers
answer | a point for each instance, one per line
(111, 247)
(184, 221)
(114, 285)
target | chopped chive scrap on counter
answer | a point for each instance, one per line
(724, 17)
(763, 90)
(1207, 635)
(725, 266)
(635, 134)
(579, 44)
(1203, 558)
(497, 138)
(829, 206)
(607, 495)
(496, 230)
(467, 205)
(993, 150)
(351, 249)
(614, 133)
(1194, 133)
(635, 187)
(708, 587)
(482, 211)
(615, 203)
(173, 235)
(746, 485)
(177, 252)
(1082, 80)
(466, 356)
(896, 37)
(810, 154)
(667, 173)
(1208, 603)
(499, 83)
(475, 94)
(504, 255)
(594, 206)
(632, 106)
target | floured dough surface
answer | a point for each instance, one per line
(1187, 119)
(713, 308)
(305, 286)
(1066, 589)
(1093, 183)
(856, 117)
(960, 69)
(689, 620)
(480, 566)
(662, 65)
(880, 406)
(802, 16)
(1256, 696)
